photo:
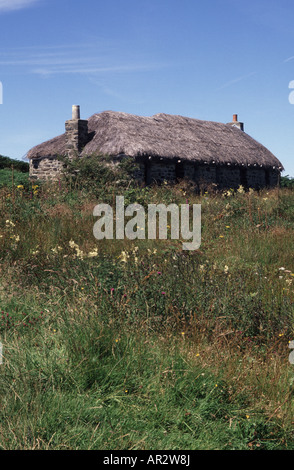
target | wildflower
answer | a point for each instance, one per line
(80, 253)
(163, 293)
(124, 256)
(9, 222)
(20, 186)
(226, 270)
(221, 236)
(247, 416)
(93, 253)
(282, 269)
(72, 244)
(56, 249)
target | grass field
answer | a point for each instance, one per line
(139, 344)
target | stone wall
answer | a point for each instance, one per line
(220, 176)
(46, 168)
(76, 136)
(272, 177)
(158, 172)
(256, 177)
(228, 176)
(203, 175)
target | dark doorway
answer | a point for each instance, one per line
(180, 171)
(243, 177)
(147, 173)
(267, 178)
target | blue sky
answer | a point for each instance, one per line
(206, 59)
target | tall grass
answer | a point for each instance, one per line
(140, 345)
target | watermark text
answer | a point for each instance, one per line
(181, 224)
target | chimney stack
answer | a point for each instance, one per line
(76, 131)
(75, 112)
(236, 123)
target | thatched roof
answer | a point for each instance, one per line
(167, 136)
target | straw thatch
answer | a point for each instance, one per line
(166, 136)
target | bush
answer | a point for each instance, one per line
(95, 173)
(6, 162)
(287, 182)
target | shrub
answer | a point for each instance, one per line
(6, 162)
(96, 172)
(287, 182)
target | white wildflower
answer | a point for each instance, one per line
(124, 256)
(93, 253)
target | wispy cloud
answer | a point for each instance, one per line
(83, 69)
(236, 80)
(73, 59)
(289, 59)
(8, 5)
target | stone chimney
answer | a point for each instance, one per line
(236, 123)
(76, 130)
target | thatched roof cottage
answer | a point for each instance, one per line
(166, 147)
